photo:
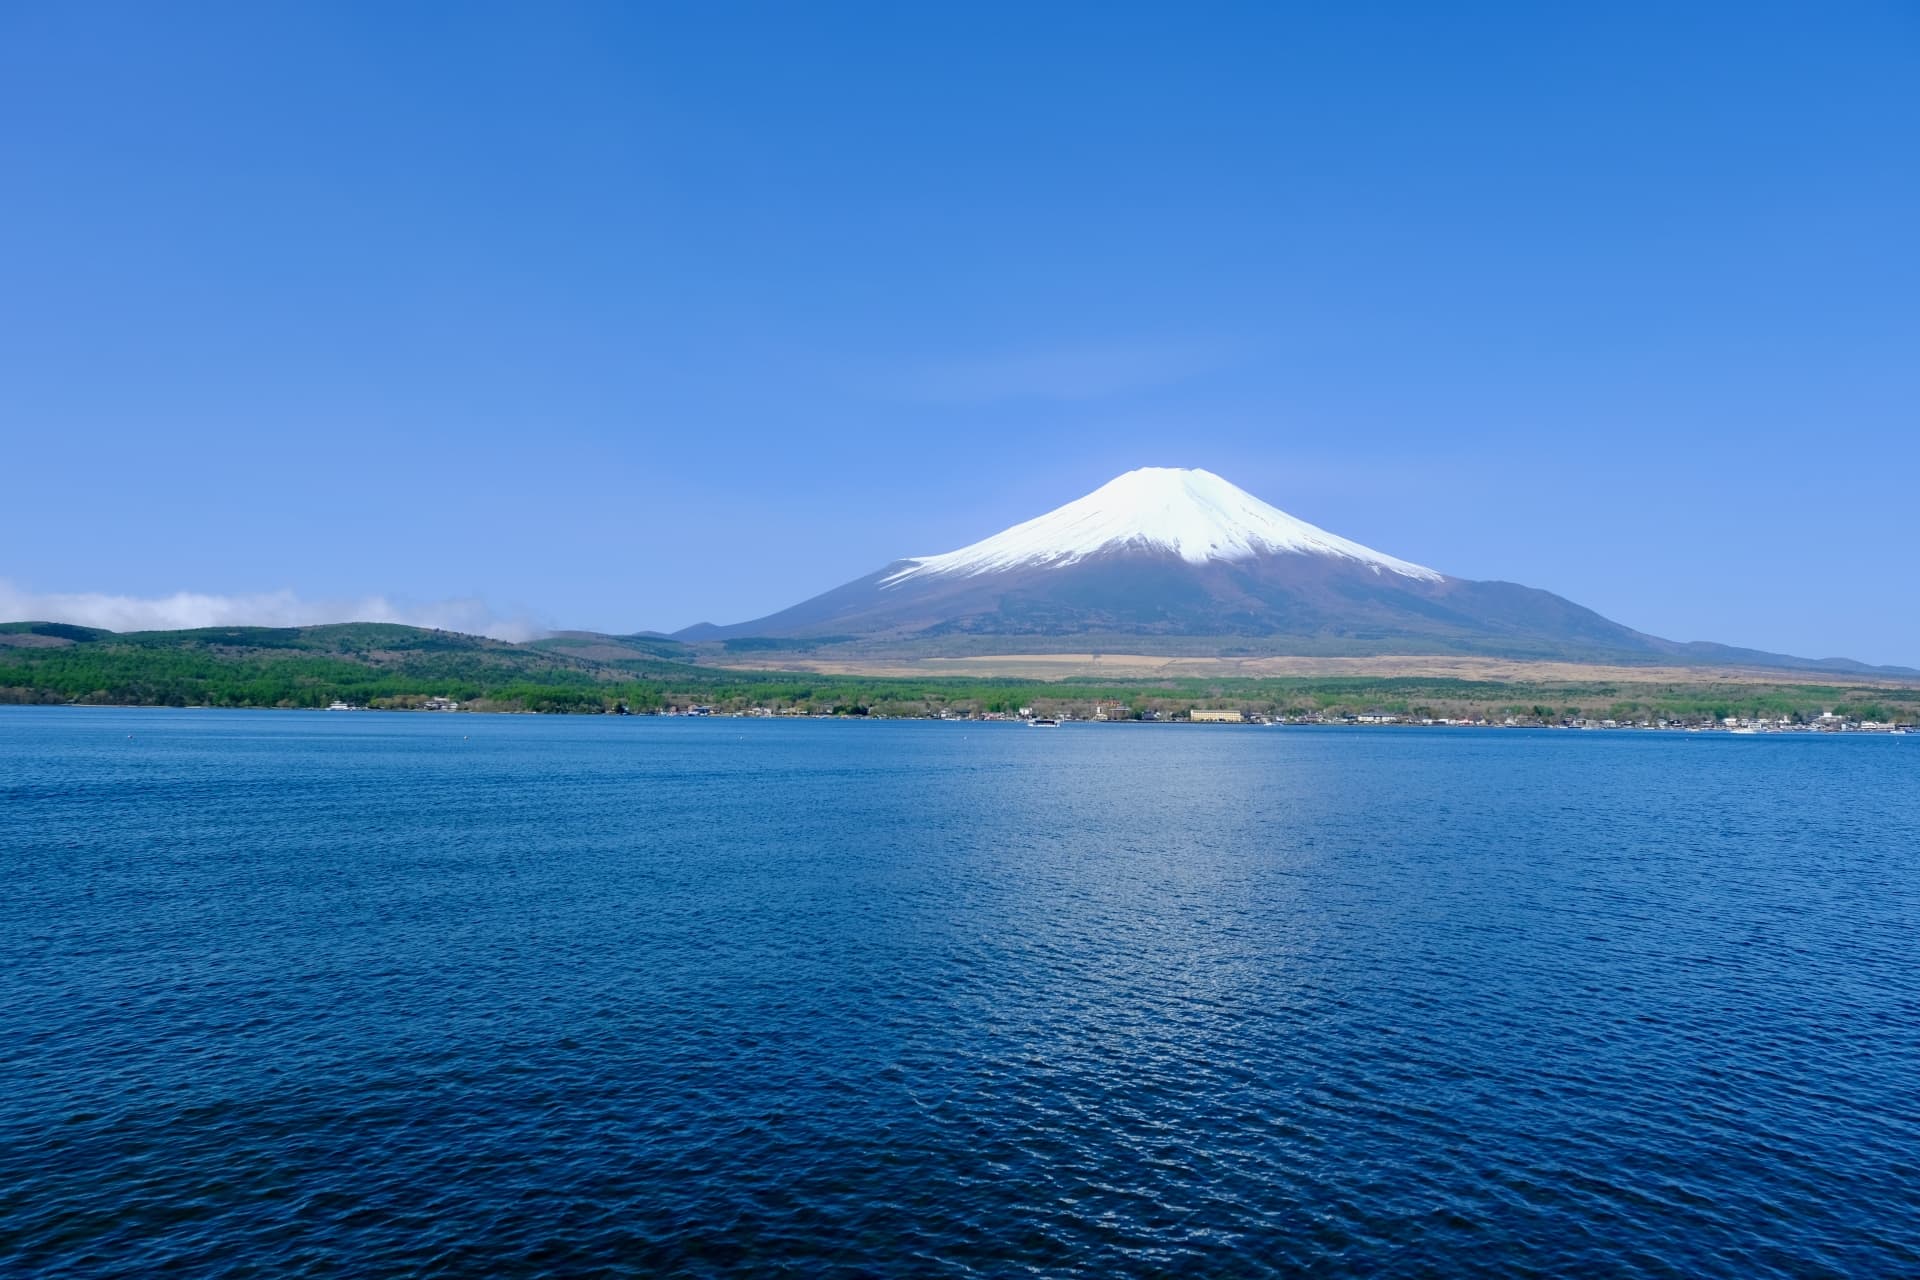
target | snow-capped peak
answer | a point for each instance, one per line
(1192, 513)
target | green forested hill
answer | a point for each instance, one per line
(308, 667)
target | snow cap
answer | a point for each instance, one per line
(1194, 514)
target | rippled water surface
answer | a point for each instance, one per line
(312, 994)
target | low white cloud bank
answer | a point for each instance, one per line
(187, 609)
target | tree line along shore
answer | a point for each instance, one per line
(389, 667)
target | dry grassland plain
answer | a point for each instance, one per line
(1124, 666)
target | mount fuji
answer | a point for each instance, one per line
(1170, 560)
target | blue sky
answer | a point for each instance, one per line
(623, 316)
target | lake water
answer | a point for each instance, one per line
(318, 994)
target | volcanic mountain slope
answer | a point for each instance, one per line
(1167, 560)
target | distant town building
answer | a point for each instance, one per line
(1201, 715)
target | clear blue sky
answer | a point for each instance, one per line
(625, 316)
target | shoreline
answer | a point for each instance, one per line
(1837, 727)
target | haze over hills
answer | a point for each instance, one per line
(1172, 560)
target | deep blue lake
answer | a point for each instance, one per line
(323, 994)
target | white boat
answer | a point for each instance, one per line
(338, 705)
(1043, 722)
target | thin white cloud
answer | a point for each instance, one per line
(1086, 372)
(187, 609)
